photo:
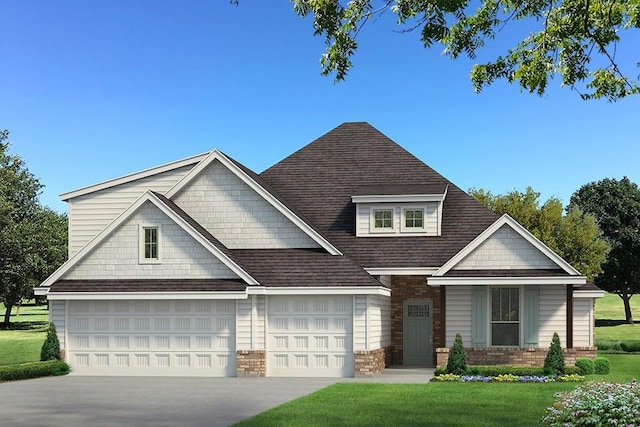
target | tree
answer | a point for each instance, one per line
(32, 238)
(554, 362)
(575, 39)
(574, 236)
(457, 363)
(616, 206)
(51, 347)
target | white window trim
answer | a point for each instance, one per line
(520, 321)
(141, 258)
(403, 220)
(372, 220)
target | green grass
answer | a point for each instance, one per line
(432, 404)
(23, 341)
(610, 319)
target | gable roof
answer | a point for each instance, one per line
(520, 230)
(177, 216)
(320, 179)
(255, 183)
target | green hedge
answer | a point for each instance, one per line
(33, 370)
(494, 371)
(586, 366)
(601, 365)
(616, 346)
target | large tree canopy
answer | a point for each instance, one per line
(574, 236)
(616, 205)
(33, 239)
(575, 39)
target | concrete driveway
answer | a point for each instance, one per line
(146, 401)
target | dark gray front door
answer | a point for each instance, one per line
(417, 326)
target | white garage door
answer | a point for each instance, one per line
(177, 338)
(310, 336)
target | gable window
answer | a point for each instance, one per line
(505, 316)
(414, 218)
(149, 244)
(383, 219)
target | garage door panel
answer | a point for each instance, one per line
(181, 338)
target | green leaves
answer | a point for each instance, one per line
(566, 37)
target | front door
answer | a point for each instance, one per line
(417, 333)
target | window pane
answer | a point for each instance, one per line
(413, 218)
(495, 304)
(151, 243)
(383, 219)
(514, 305)
(505, 334)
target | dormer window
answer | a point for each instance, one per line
(383, 219)
(414, 218)
(149, 252)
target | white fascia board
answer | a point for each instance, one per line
(148, 196)
(523, 232)
(133, 176)
(331, 290)
(501, 281)
(398, 198)
(145, 295)
(403, 271)
(588, 294)
(283, 209)
(40, 291)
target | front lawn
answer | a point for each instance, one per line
(23, 341)
(432, 404)
(610, 321)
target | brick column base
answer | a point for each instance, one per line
(251, 363)
(514, 356)
(369, 362)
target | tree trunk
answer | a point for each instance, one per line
(7, 315)
(626, 299)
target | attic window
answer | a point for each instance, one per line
(414, 218)
(149, 244)
(383, 219)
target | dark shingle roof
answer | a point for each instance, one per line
(384, 190)
(319, 180)
(303, 267)
(148, 285)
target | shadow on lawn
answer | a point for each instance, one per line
(24, 326)
(612, 322)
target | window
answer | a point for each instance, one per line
(149, 244)
(383, 218)
(414, 218)
(505, 316)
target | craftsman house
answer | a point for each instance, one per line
(343, 258)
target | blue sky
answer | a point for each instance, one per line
(94, 90)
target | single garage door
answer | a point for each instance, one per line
(310, 336)
(163, 337)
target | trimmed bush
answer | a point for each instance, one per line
(554, 362)
(51, 347)
(631, 346)
(457, 363)
(572, 370)
(601, 365)
(585, 365)
(440, 371)
(596, 404)
(614, 346)
(33, 370)
(494, 371)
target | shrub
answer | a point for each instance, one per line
(631, 346)
(601, 365)
(572, 370)
(494, 371)
(51, 347)
(440, 371)
(457, 363)
(33, 370)
(554, 362)
(594, 404)
(585, 366)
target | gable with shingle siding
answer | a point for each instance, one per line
(236, 214)
(117, 257)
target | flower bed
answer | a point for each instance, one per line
(508, 378)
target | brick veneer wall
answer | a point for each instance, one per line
(369, 362)
(251, 363)
(412, 288)
(514, 356)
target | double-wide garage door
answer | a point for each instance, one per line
(162, 337)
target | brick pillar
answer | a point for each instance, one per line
(251, 363)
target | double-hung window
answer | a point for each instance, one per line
(149, 244)
(505, 316)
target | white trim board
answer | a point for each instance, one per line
(281, 207)
(523, 232)
(501, 281)
(149, 197)
(402, 271)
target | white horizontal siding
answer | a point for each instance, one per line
(583, 322)
(251, 323)
(243, 324)
(505, 249)
(91, 213)
(117, 257)
(237, 215)
(56, 315)
(360, 323)
(552, 309)
(379, 321)
(458, 314)
(260, 323)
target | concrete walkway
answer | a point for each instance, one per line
(161, 401)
